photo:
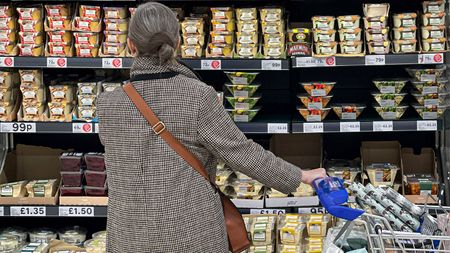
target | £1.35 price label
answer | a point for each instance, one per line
(16, 127)
(28, 211)
(112, 63)
(56, 62)
(271, 64)
(267, 211)
(77, 211)
(277, 128)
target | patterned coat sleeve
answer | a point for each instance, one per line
(219, 134)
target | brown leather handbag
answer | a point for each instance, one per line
(237, 233)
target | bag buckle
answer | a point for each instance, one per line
(159, 127)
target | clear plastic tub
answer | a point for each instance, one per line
(344, 169)
(430, 112)
(95, 178)
(242, 103)
(313, 115)
(382, 174)
(96, 191)
(388, 100)
(348, 111)
(425, 87)
(314, 102)
(241, 90)
(71, 191)
(243, 115)
(43, 235)
(73, 235)
(20, 233)
(71, 161)
(241, 77)
(427, 74)
(391, 112)
(95, 246)
(72, 178)
(100, 235)
(8, 243)
(390, 86)
(318, 89)
(95, 161)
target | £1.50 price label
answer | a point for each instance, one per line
(267, 211)
(28, 211)
(56, 62)
(271, 64)
(77, 211)
(17, 127)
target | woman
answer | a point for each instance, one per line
(157, 202)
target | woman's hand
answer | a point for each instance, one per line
(308, 176)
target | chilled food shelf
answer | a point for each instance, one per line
(266, 124)
(368, 60)
(53, 211)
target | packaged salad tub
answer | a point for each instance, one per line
(314, 102)
(43, 235)
(430, 112)
(313, 114)
(348, 111)
(242, 103)
(427, 74)
(242, 90)
(96, 245)
(241, 77)
(390, 85)
(388, 100)
(243, 115)
(20, 233)
(73, 235)
(9, 243)
(382, 174)
(391, 112)
(431, 99)
(427, 87)
(318, 89)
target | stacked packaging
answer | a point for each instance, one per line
(8, 30)
(433, 29)
(116, 28)
(58, 26)
(324, 35)
(350, 35)
(405, 33)
(32, 36)
(222, 32)
(315, 101)
(388, 99)
(261, 232)
(87, 27)
(9, 90)
(247, 33)
(377, 30)
(87, 92)
(62, 100)
(34, 95)
(193, 35)
(273, 28)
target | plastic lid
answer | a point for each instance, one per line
(100, 235)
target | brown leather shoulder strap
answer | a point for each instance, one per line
(160, 129)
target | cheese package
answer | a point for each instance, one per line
(62, 23)
(58, 10)
(31, 77)
(37, 38)
(63, 246)
(8, 36)
(9, 243)
(191, 51)
(245, 14)
(60, 111)
(271, 14)
(117, 37)
(87, 100)
(262, 230)
(59, 37)
(223, 25)
(31, 13)
(14, 189)
(31, 49)
(113, 49)
(317, 224)
(115, 12)
(118, 25)
(86, 24)
(59, 93)
(42, 188)
(32, 111)
(90, 11)
(86, 50)
(87, 112)
(6, 110)
(87, 38)
(35, 248)
(9, 49)
(8, 23)
(6, 11)
(31, 25)
(192, 25)
(59, 49)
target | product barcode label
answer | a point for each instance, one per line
(77, 211)
(112, 63)
(350, 127)
(427, 125)
(313, 127)
(267, 211)
(28, 211)
(7, 62)
(383, 126)
(56, 62)
(277, 128)
(271, 64)
(375, 60)
(18, 127)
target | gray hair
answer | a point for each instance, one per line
(155, 31)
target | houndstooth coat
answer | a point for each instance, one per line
(157, 202)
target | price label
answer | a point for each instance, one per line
(375, 60)
(28, 211)
(277, 128)
(76, 211)
(96, 128)
(112, 63)
(346, 127)
(56, 62)
(267, 211)
(383, 126)
(17, 127)
(313, 127)
(271, 64)
(305, 62)
(7, 62)
(211, 64)
(427, 125)
(312, 210)
(2, 211)
(82, 128)
(430, 58)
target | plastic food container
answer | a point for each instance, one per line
(95, 246)
(96, 191)
(350, 34)
(391, 113)
(115, 12)
(20, 233)
(382, 47)
(43, 235)
(388, 100)
(343, 169)
(313, 115)
(241, 77)
(87, 38)
(405, 19)
(405, 46)
(434, 45)
(121, 37)
(243, 115)
(191, 51)
(245, 14)
(326, 48)
(430, 99)
(71, 162)
(323, 22)
(8, 36)
(71, 191)
(95, 161)
(426, 74)
(405, 33)
(379, 35)
(421, 185)
(314, 102)
(433, 32)
(390, 86)
(9, 243)
(271, 14)
(95, 178)
(73, 235)
(247, 37)
(243, 103)
(433, 6)
(318, 89)
(246, 50)
(348, 22)
(430, 87)
(317, 224)
(430, 112)
(100, 235)
(351, 47)
(433, 19)
(382, 174)
(242, 90)
(291, 233)
(86, 50)
(70, 178)
(324, 35)
(13, 189)
(348, 111)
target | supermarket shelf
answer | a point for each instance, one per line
(366, 126)
(292, 202)
(368, 60)
(125, 63)
(53, 211)
(266, 124)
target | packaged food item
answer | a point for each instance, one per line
(59, 23)
(405, 46)
(113, 49)
(191, 51)
(375, 22)
(313, 244)
(61, 93)
(95, 178)
(87, 100)
(8, 36)
(95, 246)
(272, 27)
(326, 48)
(89, 11)
(31, 25)
(433, 19)
(433, 32)
(405, 33)
(31, 49)
(87, 113)
(391, 112)
(34, 12)
(262, 230)
(350, 34)
(111, 86)
(42, 188)
(31, 76)
(58, 10)
(71, 162)
(8, 24)
(33, 93)
(8, 49)
(222, 13)
(6, 109)
(32, 38)
(118, 37)
(348, 111)
(343, 169)
(218, 37)
(317, 224)
(295, 49)
(242, 90)
(273, 51)
(243, 103)
(430, 99)
(434, 45)
(382, 174)
(389, 99)
(405, 19)
(88, 88)
(14, 189)
(43, 235)
(73, 235)
(246, 50)
(60, 111)
(118, 25)
(299, 35)
(245, 14)
(243, 115)
(115, 12)
(250, 26)
(101, 235)
(6, 11)
(323, 22)
(290, 248)
(351, 47)
(8, 95)
(379, 47)
(260, 249)
(378, 35)
(57, 246)
(247, 37)
(87, 50)
(433, 6)
(313, 114)
(72, 178)
(348, 22)
(20, 233)
(403, 202)
(95, 161)
(431, 111)
(430, 87)
(59, 49)
(86, 38)
(318, 89)
(274, 39)
(59, 37)
(35, 247)
(314, 102)
(87, 24)
(426, 74)
(222, 25)
(421, 184)
(71, 191)
(32, 110)
(9, 243)
(220, 50)
(96, 191)
(271, 14)
(324, 35)
(192, 26)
